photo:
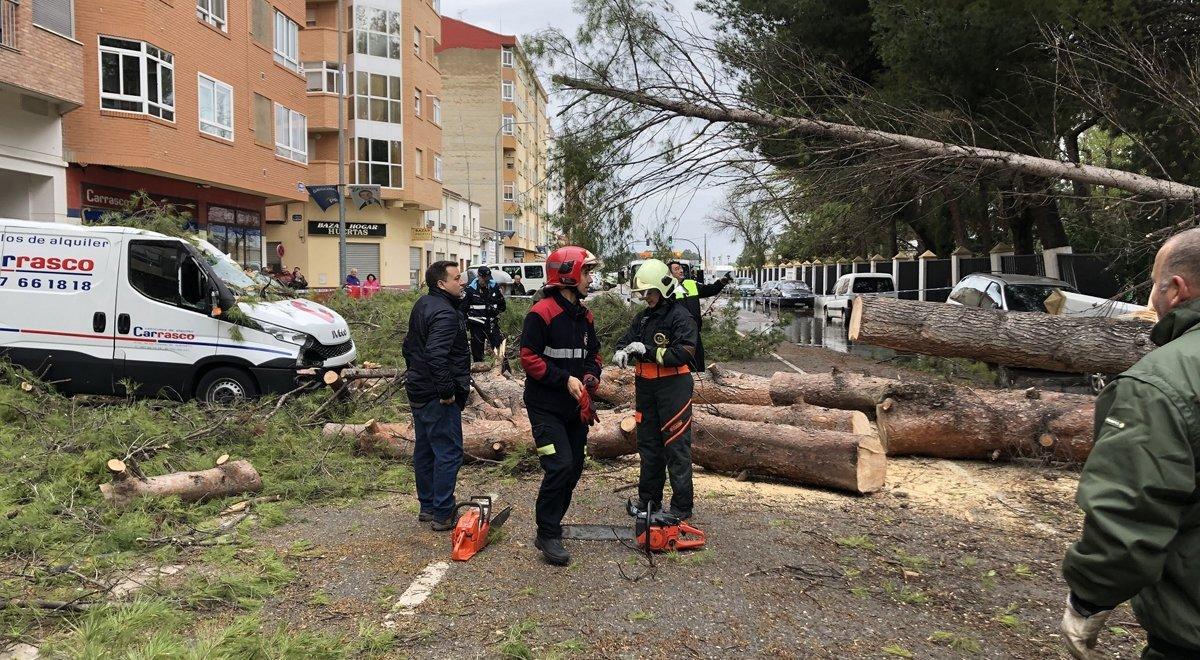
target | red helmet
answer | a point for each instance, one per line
(564, 266)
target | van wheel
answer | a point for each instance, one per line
(226, 385)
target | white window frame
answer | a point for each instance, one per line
(148, 55)
(437, 167)
(294, 144)
(418, 101)
(436, 105)
(214, 127)
(206, 11)
(507, 57)
(287, 41)
(392, 38)
(507, 90)
(323, 68)
(416, 41)
(510, 192)
(394, 104)
(507, 124)
(394, 147)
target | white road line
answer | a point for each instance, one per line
(999, 497)
(421, 588)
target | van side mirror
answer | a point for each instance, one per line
(215, 300)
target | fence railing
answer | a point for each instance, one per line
(8, 23)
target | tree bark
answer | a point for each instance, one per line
(800, 414)
(717, 385)
(1046, 218)
(1019, 339)
(839, 390)
(229, 478)
(956, 422)
(958, 223)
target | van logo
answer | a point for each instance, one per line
(321, 313)
(338, 334)
(69, 264)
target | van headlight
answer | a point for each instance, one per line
(286, 334)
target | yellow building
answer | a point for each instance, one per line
(393, 114)
(496, 136)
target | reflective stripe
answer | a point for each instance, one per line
(476, 319)
(547, 450)
(658, 355)
(563, 352)
(478, 307)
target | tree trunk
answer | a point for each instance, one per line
(1020, 224)
(1044, 211)
(229, 478)
(958, 422)
(800, 414)
(838, 390)
(845, 461)
(958, 223)
(985, 217)
(1019, 339)
(717, 385)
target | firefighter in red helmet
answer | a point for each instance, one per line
(560, 354)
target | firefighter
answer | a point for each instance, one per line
(690, 292)
(560, 354)
(661, 344)
(484, 303)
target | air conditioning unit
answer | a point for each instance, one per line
(430, 224)
(453, 228)
(442, 227)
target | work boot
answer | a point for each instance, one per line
(681, 515)
(424, 517)
(443, 525)
(553, 551)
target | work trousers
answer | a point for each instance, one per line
(561, 440)
(1157, 649)
(437, 456)
(664, 439)
(484, 333)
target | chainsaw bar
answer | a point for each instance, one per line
(597, 533)
(500, 517)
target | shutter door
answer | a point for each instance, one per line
(364, 257)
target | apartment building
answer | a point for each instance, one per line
(41, 79)
(496, 136)
(455, 233)
(197, 102)
(393, 114)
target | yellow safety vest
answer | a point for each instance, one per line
(687, 288)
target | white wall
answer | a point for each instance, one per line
(33, 174)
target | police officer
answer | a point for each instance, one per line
(1141, 533)
(661, 344)
(484, 303)
(560, 354)
(690, 292)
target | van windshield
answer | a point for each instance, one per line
(873, 285)
(238, 280)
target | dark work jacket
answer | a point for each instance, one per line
(558, 340)
(668, 332)
(483, 305)
(436, 351)
(689, 293)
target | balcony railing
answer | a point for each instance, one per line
(8, 23)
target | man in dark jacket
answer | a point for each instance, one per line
(484, 304)
(689, 292)
(438, 381)
(1141, 533)
(661, 343)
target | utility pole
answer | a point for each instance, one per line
(341, 12)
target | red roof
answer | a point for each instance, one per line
(457, 34)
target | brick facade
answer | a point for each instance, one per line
(44, 63)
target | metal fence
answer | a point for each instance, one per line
(1023, 264)
(908, 280)
(1090, 273)
(972, 265)
(937, 280)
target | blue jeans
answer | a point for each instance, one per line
(437, 456)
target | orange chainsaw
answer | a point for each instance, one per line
(471, 532)
(653, 530)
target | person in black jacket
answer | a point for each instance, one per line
(438, 381)
(560, 354)
(661, 343)
(689, 292)
(484, 303)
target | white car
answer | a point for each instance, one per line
(850, 286)
(89, 307)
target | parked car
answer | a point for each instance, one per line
(851, 285)
(788, 293)
(1013, 293)
(745, 286)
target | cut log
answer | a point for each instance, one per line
(801, 414)
(231, 478)
(838, 390)
(1019, 339)
(958, 422)
(500, 391)
(717, 385)
(845, 461)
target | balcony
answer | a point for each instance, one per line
(323, 172)
(319, 43)
(323, 112)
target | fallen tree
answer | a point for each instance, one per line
(840, 390)
(800, 414)
(717, 385)
(227, 478)
(1020, 339)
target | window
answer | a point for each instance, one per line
(322, 77)
(872, 285)
(417, 102)
(310, 17)
(287, 41)
(509, 192)
(166, 272)
(437, 167)
(508, 222)
(378, 97)
(238, 233)
(376, 32)
(417, 41)
(212, 12)
(436, 104)
(419, 163)
(506, 90)
(216, 107)
(380, 162)
(508, 123)
(291, 134)
(137, 77)
(506, 57)
(55, 15)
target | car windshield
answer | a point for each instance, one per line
(794, 286)
(873, 285)
(745, 280)
(1029, 297)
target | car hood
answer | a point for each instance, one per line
(300, 315)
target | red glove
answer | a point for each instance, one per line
(587, 409)
(591, 383)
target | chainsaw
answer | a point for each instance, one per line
(653, 530)
(471, 532)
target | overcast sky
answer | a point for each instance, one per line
(521, 17)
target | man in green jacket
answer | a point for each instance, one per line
(1141, 534)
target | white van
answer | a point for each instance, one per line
(850, 286)
(88, 307)
(533, 275)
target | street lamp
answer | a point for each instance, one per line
(500, 173)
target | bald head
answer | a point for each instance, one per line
(1176, 271)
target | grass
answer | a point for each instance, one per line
(898, 651)
(905, 594)
(642, 615)
(515, 645)
(962, 644)
(856, 541)
(911, 562)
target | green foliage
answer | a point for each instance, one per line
(960, 643)
(141, 211)
(515, 645)
(378, 324)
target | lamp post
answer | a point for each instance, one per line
(341, 147)
(500, 174)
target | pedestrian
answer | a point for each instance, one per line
(518, 289)
(1138, 489)
(371, 286)
(661, 344)
(485, 303)
(690, 292)
(438, 381)
(352, 278)
(298, 281)
(560, 354)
